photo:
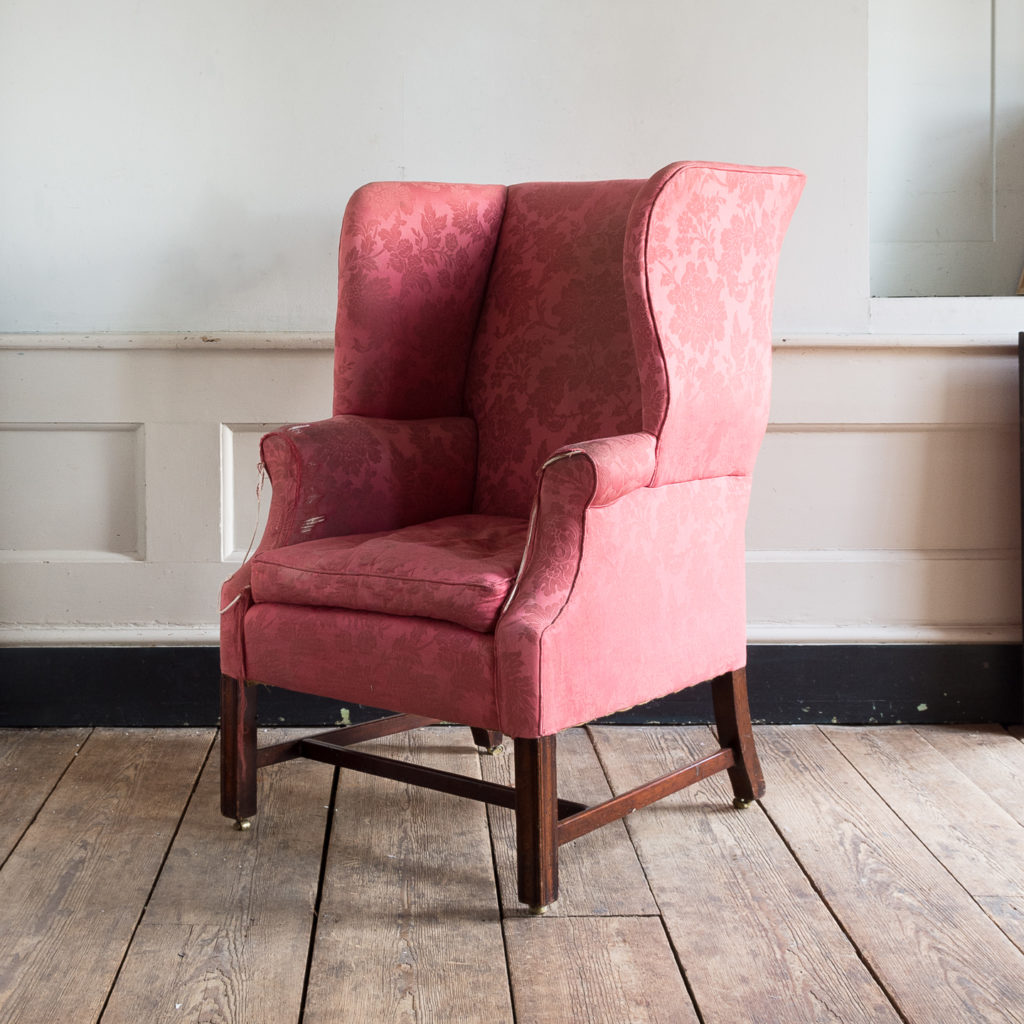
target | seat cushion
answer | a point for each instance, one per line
(458, 569)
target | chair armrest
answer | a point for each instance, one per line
(355, 474)
(620, 464)
(352, 474)
(575, 478)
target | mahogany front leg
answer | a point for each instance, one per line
(537, 822)
(237, 750)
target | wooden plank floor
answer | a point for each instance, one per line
(880, 880)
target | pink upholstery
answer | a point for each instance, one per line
(458, 569)
(413, 264)
(392, 472)
(594, 356)
(700, 262)
(554, 361)
(673, 618)
(421, 666)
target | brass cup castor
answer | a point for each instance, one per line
(243, 824)
(741, 802)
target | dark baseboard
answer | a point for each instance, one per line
(843, 684)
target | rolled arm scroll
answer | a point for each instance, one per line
(575, 480)
(620, 464)
(576, 477)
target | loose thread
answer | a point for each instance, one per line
(262, 470)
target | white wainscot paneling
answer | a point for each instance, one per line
(155, 505)
(885, 502)
(74, 492)
(886, 498)
(897, 487)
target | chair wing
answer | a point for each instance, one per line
(413, 264)
(700, 261)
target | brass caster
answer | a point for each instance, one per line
(494, 751)
(243, 824)
(538, 911)
(741, 802)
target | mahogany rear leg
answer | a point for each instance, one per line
(732, 715)
(537, 822)
(488, 739)
(237, 751)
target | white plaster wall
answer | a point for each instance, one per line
(183, 166)
(174, 174)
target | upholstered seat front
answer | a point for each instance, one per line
(457, 569)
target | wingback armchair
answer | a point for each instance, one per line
(527, 510)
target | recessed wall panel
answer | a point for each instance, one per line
(243, 510)
(887, 488)
(72, 491)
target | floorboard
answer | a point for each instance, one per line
(1009, 915)
(973, 838)
(31, 763)
(938, 954)
(749, 930)
(604, 970)
(225, 933)
(989, 756)
(409, 928)
(75, 886)
(879, 881)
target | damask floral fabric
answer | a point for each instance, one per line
(351, 474)
(394, 662)
(553, 362)
(355, 474)
(701, 253)
(620, 464)
(622, 603)
(414, 260)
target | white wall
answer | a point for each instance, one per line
(175, 173)
(183, 166)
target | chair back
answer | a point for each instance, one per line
(553, 361)
(559, 312)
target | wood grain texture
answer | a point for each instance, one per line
(76, 884)
(973, 837)
(933, 948)
(598, 970)
(776, 913)
(599, 874)
(31, 762)
(409, 928)
(989, 756)
(226, 934)
(1009, 915)
(732, 720)
(755, 941)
